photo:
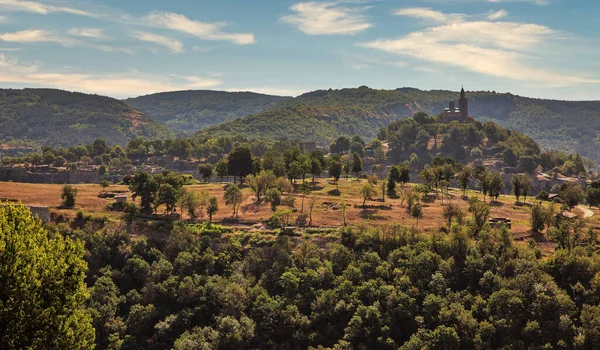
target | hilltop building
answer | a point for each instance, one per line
(461, 113)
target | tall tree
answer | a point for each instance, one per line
(240, 162)
(233, 197)
(43, 294)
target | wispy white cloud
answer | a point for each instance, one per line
(93, 33)
(493, 16)
(40, 8)
(537, 2)
(202, 49)
(34, 36)
(51, 36)
(112, 84)
(495, 48)
(174, 45)
(327, 18)
(202, 30)
(423, 13)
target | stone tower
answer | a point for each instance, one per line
(463, 105)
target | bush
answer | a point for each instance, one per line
(69, 196)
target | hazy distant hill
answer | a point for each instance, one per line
(322, 115)
(189, 111)
(56, 117)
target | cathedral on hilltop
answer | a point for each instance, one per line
(461, 113)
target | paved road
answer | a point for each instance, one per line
(587, 213)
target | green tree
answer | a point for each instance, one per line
(464, 177)
(104, 184)
(304, 189)
(212, 208)
(367, 192)
(357, 164)
(144, 185)
(273, 196)
(416, 212)
(335, 170)
(221, 168)
(169, 196)
(206, 171)
(496, 184)
(42, 301)
(239, 163)
(69, 196)
(571, 194)
(233, 197)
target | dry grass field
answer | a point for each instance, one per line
(327, 212)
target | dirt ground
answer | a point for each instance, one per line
(327, 211)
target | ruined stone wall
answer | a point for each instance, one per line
(17, 174)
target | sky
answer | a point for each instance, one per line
(126, 48)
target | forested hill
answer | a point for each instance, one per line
(189, 111)
(324, 114)
(56, 117)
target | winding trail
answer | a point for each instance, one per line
(587, 213)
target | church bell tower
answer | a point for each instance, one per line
(463, 105)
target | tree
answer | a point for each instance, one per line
(383, 188)
(463, 179)
(450, 212)
(538, 217)
(516, 184)
(304, 189)
(42, 302)
(273, 196)
(416, 212)
(592, 195)
(481, 213)
(206, 171)
(104, 184)
(312, 201)
(144, 185)
(571, 194)
(169, 196)
(316, 168)
(367, 191)
(357, 164)
(192, 201)
(542, 196)
(496, 184)
(239, 163)
(261, 183)
(221, 168)
(335, 170)
(233, 197)
(69, 196)
(212, 208)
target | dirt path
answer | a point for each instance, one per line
(587, 213)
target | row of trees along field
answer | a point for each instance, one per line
(417, 140)
(205, 286)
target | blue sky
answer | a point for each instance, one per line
(537, 48)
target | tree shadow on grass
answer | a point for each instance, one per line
(370, 215)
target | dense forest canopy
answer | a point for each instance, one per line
(188, 111)
(56, 117)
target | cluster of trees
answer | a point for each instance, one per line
(374, 288)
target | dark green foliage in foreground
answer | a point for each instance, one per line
(56, 117)
(189, 111)
(43, 292)
(192, 289)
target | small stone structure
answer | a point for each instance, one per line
(43, 213)
(22, 174)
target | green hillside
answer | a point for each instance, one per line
(189, 111)
(56, 117)
(324, 114)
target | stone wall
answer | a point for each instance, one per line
(20, 174)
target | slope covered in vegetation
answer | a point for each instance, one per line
(560, 125)
(56, 117)
(189, 111)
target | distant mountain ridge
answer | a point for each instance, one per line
(562, 125)
(63, 118)
(186, 112)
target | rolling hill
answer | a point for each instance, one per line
(322, 115)
(186, 112)
(56, 117)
